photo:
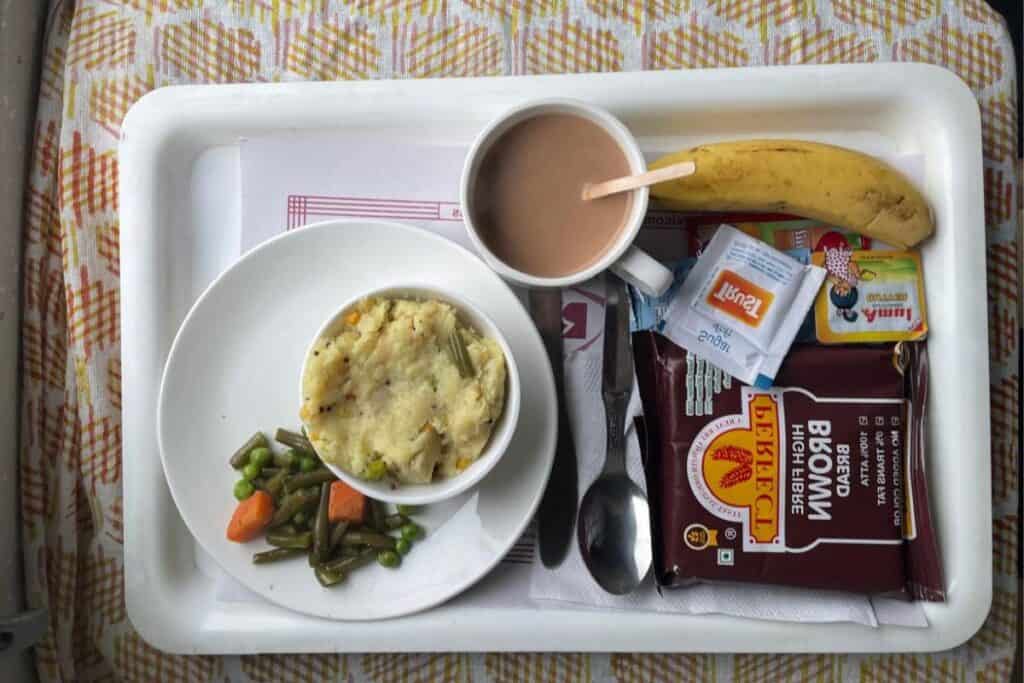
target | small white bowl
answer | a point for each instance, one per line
(504, 428)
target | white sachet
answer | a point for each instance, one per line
(742, 306)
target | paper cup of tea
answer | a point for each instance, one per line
(521, 197)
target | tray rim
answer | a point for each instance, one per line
(153, 130)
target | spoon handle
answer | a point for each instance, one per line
(615, 406)
(617, 373)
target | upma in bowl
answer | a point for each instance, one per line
(402, 389)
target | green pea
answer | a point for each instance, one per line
(388, 558)
(403, 546)
(243, 489)
(251, 471)
(307, 464)
(261, 456)
(376, 470)
(411, 531)
(300, 519)
(407, 510)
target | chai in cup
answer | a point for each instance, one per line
(527, 203)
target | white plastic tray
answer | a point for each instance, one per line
(180, 227)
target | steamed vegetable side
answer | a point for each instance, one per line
(294, 503)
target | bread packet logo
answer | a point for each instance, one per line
(699, 537)
(736, 470)
(740, 298)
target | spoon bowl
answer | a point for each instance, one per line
(615, 533)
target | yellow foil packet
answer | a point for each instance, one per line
(870, 296)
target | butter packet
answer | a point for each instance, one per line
(742, 305)
(870, 297)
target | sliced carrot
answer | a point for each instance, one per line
(346, 504)
(251, 517)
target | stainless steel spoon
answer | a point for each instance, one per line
(614, 527)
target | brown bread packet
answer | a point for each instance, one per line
(818, 482)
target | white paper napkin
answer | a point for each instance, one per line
(293, 180)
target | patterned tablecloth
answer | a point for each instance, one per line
(102, 56)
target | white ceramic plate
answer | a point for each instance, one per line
(232, 370)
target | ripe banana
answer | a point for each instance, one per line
(835, 185)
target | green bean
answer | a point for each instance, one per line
(268, 556)
(288, 529)
(348, 551)
(241, 457)
(376, 515)
(293, 440)
(275, 485)
(281, 540)
(322, 526)
(337, 532)
(459, 355)
(269, 470)
(397, 521)
(309, 479)
(347, 564)
(292, 504)
(326, 577)
(300, 518)
(370, 538)
(287, 460)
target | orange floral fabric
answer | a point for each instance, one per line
(101, 56)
